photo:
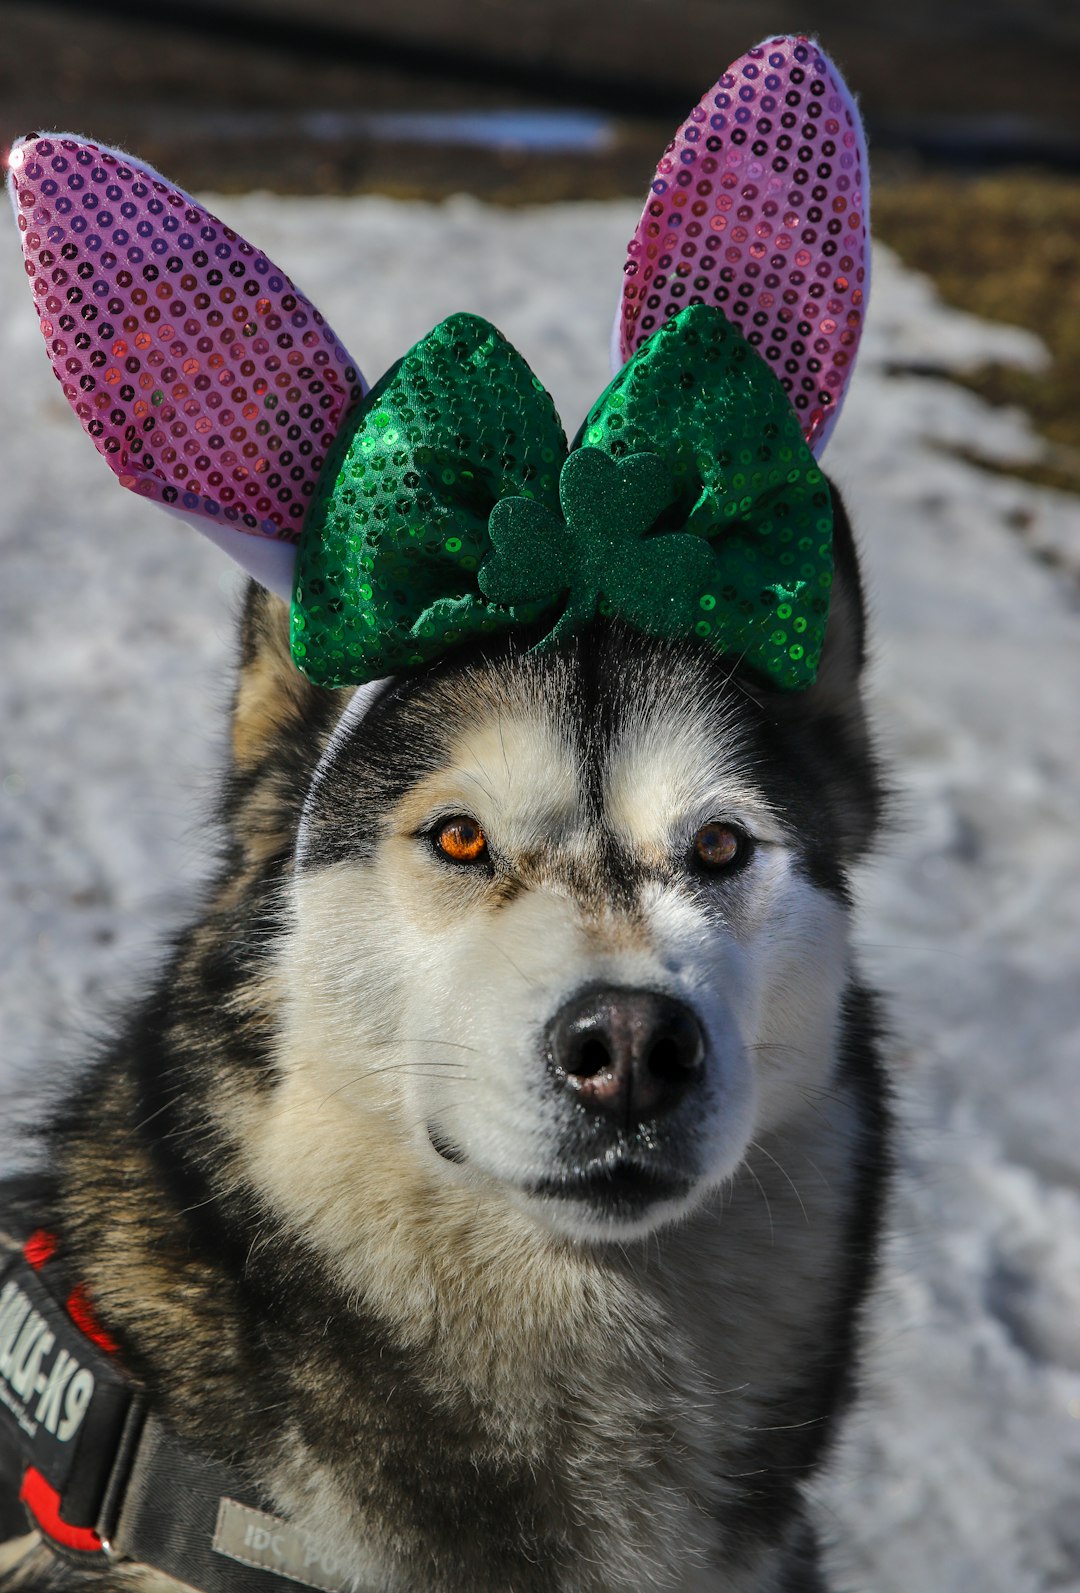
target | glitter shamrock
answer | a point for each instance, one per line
(600, 555)
(451, 508)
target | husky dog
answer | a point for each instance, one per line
(508, 1206)
(493, 1177)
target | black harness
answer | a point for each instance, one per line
(96, 1473)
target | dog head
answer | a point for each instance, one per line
(565, 930)
(564, 926)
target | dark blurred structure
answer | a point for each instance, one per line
(303, 94)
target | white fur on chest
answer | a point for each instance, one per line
(637, 1382)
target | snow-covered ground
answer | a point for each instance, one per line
(963, 1475)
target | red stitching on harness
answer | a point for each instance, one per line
(40, 1247)
(82, 1314)
(43, 1504)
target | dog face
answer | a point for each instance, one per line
(569, 927)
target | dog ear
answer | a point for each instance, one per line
(280, 724)
(271, 698)
(276, 709)
(209, 384)
(760, 204)
(843, 655)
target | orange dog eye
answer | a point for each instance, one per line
(462, 841)
(718, 846)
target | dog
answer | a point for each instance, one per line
(486, 1193)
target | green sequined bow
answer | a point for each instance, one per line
(451, 507)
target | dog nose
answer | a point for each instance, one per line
(627, 1054)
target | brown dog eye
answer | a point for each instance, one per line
(719, 846)
(462, 841)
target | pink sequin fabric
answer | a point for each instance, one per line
(207, 382)
(760, 205)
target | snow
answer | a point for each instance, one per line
(962, 1472)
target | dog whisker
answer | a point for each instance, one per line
(820, 1092)
(927, 948)
(152, 1117)
(451, 1045)
(421, 1039)
(507, 770)
(765, 1198)
(506, 955)
(779, 1427)
(419, 1070)
(468, 774)
(816, 1169)
(780, 1045)
(732, 679)
(757, 1145)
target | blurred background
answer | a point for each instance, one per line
(972, 106)
(340, 135)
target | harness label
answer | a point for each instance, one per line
(270, 1544)
(38, 1391)
(61, 1399)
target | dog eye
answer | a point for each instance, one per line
(461, 840)
(720, 848)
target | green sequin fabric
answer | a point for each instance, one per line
(451, 507)
(386, 570)
(698, 396)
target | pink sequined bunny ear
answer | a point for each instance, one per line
(207, 382)
(760, 205)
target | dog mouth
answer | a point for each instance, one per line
(445, 1147)
(618, 1186)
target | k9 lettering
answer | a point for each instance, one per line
(63, 1389)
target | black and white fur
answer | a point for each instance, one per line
(331, 1192)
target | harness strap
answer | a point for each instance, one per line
(100, 1477)
(191, 1518)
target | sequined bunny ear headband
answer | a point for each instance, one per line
(447, 503)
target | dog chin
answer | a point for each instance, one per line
(612, 1200)
(612, 1197)
(646, 1181)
